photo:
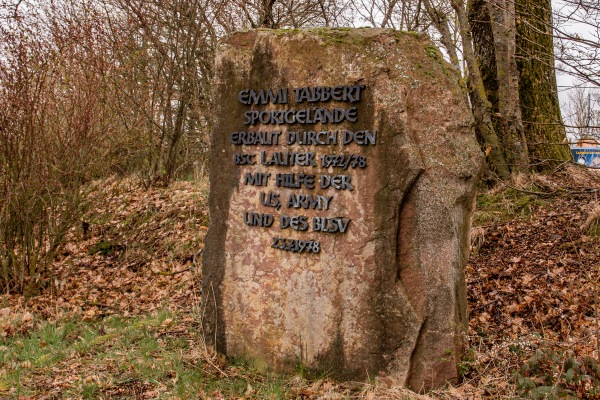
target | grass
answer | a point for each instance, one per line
(505, 205)
(153, 356)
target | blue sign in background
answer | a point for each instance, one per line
(588, 156)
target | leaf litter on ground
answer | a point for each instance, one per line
(119, 315)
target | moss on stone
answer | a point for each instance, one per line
(412, 33)
(338, 36)
(432, 52)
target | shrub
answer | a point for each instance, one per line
(55, 122)
(557, 374)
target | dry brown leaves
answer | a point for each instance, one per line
(533, 280)
(134, 255)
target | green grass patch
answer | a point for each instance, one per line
(105, 248)
(159, 355)
(501, 206)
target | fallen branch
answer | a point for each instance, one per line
(557, 192)
(164, 273)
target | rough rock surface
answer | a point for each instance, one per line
(388, 295)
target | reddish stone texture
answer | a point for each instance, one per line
(388, 296)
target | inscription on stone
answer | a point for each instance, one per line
(321, 183)
(343, 172)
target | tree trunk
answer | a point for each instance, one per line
(482, 108)
(502, 17)
(266, 19)
(542, 121)
(516, 60)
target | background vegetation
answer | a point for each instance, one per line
(94, 88)
(105, 103)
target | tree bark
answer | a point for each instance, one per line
(542, 123)
(266, 19)
(516, 58)
(502, 18)
(482, 108)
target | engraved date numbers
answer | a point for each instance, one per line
(344, 161)
(296, 246)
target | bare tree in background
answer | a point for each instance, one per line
(576, 26)
(507, 48)
(479, 96)
(166, 63)
(56, 126)
(408, 15)
(580, 118)
(577, 43)
(518, 69)
(246, 14)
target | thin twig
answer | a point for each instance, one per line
(172, 273)
(102, 305)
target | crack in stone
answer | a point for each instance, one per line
(411, 363)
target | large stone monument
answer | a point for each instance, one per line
(343, 165)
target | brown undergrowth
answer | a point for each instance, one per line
(133, 253)
(118, 318)
(533, 289)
